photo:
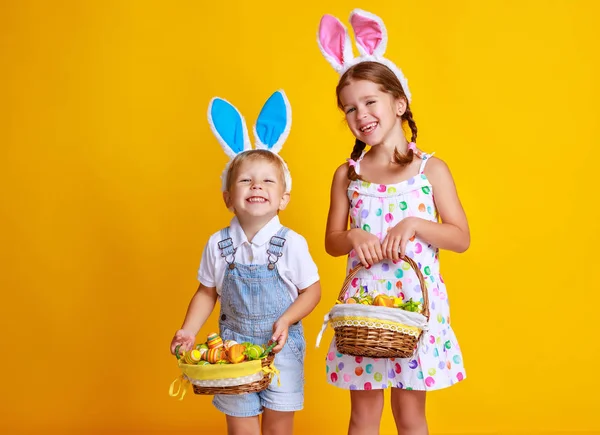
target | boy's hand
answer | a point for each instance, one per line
(280, 333)
(184, 338)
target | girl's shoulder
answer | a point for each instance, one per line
(436, 170)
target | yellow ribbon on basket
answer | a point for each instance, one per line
(182, 387)
(271, 371)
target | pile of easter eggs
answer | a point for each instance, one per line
(381, 300)
(217, 351)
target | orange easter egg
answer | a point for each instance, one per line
(215, 355)
(214, 341)
(237, 353)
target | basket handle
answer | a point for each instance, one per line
(413, 265)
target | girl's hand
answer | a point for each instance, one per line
(280, 333)
(184, 338)
(394, 244)
(366, 245)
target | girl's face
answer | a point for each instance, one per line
(373, 116)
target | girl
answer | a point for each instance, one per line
(388, 193)
(261, 271)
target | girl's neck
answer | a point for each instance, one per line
(384, 152)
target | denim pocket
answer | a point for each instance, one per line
(297, 345)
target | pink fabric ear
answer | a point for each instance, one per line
(368, 32)
(332, 36)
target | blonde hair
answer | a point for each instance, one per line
(253, 155)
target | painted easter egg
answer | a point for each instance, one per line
(228, 343)
(214, 341)
(237, 353)
(192, 356)
(215, 355)
(254, 352)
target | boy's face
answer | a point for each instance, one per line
(257, 190)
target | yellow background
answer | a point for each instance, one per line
(110, 188)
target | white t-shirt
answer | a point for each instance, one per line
(296, 266)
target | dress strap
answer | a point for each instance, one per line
(226, 247)
(275, 249)
(356, 163)
(425, 158)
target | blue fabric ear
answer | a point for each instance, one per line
(273, 120)
(228, 126)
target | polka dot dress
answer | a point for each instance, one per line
(437, 362)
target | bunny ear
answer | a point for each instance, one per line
(334, 42)
(229, 127)
(370, 33)
(274, 123)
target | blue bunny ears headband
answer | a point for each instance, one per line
(270, 131)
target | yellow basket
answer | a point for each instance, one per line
(242, 378)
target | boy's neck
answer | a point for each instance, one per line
(252, 225)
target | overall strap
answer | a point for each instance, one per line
(275, 248)
(226, 247)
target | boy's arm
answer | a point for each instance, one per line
(307, 300)
(200, 307)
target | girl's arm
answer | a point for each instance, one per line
(200, 307)
(453, 232)
(307, 300)
(338, 239)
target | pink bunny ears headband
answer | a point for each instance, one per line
(371, 40)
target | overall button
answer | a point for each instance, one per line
(223, 317)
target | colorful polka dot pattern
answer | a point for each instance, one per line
(437, 363)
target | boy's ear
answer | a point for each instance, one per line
(285, 200)
(227, 200)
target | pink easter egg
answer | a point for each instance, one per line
(418, 248)
(381, 188)
(429, 381)
(389, 217)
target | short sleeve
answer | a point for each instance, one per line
(206, 272)
(302, 270)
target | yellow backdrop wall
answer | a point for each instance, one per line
(110, 188)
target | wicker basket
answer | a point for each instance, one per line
(242, 378)
(375, 331)
(252, 387)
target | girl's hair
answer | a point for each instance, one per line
(383, 76)
(251, 155)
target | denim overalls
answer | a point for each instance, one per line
(252, 298)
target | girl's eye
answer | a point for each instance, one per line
(244, 180)
(350, 110)
(269, 181)
(370, 102)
